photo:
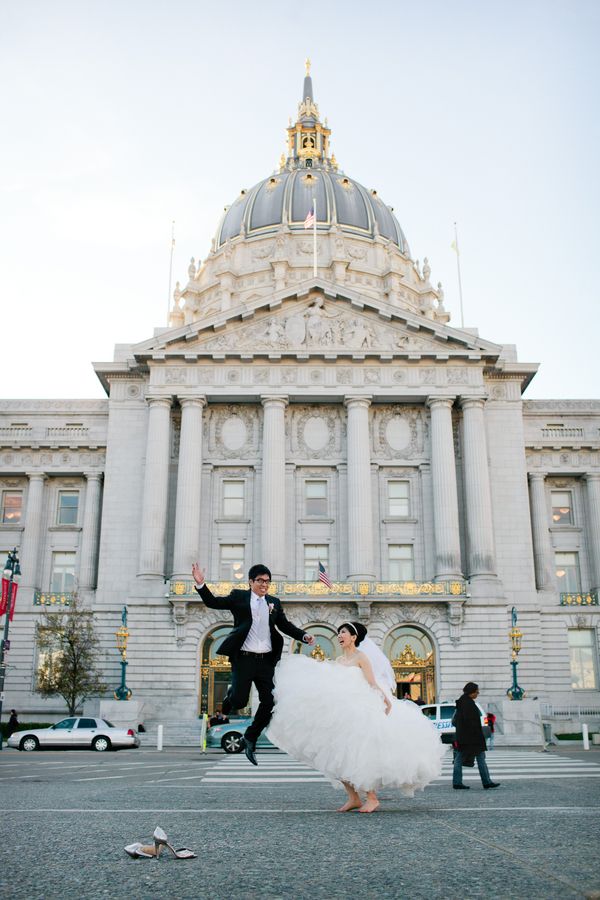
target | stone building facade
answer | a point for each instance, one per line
(295, 418)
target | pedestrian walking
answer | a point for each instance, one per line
(13, 722)
(470, 739)
(491, 724)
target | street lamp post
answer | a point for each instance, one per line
(10, 584)
(122, 692)
(515, 634)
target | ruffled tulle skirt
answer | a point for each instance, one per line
(328, 716)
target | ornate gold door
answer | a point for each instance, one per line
(412, 656)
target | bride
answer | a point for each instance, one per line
(343, 719)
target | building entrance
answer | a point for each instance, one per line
(412, 656)
(215, 673)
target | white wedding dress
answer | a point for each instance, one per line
(328, 716)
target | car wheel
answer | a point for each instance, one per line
(29, 743)
(100, 744)
(232, 742)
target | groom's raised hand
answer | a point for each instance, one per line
(309, 639)
(198, 574)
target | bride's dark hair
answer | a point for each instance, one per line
(356, 628)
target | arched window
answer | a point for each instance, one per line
(325, 647)
(412, 656)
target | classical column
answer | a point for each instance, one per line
(360, 507)
(445, 497)
(482, 562)
(542, 549)
(273, 486)
(156, 489)
(593, 525)
(29, 551)
(90, 532)
(189, 480)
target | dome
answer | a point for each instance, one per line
(308, 171)
(287, 198)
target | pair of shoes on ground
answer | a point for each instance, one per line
(486, 787)
(150, 851)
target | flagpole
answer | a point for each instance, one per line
(462, 317)
(315, 238)
(171, 269)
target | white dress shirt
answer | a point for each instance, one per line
(259, 636)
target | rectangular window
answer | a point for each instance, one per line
(567, 572)
(315, 494)
(231, 562)
(398, 498)
(313, 555)
(12, 507)
(584, 663)
(233, 499)
(401, 565)
(68, 507)
(63, 573)
(562, 508)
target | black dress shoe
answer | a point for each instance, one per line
(492, 784)
(461, 787)
(249, 749)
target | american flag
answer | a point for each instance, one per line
(323, 576)
(310, 218)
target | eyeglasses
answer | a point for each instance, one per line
(262, 580)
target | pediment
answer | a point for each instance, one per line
(318, 323)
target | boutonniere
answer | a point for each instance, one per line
(271, 608)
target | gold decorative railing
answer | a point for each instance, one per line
(589, 599)
(52, 598)
(374, 590)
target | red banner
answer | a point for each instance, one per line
(13, 600)
(4, 603)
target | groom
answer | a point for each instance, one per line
(253, 647)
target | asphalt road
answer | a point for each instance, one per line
(272, 831)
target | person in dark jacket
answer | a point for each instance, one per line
(470, 740)
(13, 722)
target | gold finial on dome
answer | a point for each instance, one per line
(307, 63)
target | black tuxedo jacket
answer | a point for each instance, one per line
(238, 603)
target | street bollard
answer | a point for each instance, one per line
(159, 737)
(586, 737)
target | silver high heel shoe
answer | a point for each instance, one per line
(140, 851)
(160, 841)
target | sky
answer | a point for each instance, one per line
(119, 116)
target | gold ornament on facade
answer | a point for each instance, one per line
(220, 662)
(409, 659)
(318, 654)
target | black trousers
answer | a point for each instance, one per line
(246, 671)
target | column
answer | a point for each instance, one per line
(542, 549)
(189, 481)
(360, 506)
(156, 489)
(593, 525)
(29, 551)
(90, 532)
(482, 562)
(445, 497)
(273, 487)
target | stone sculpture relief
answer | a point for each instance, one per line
(397, 431)
(319, 325)
(233, 431)
(314, 433)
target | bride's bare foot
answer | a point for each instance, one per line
(370, 805)
(351, 803)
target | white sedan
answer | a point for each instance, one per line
(94, 734)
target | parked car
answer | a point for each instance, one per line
(82, 732)
(229, 736)
(440, 714)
